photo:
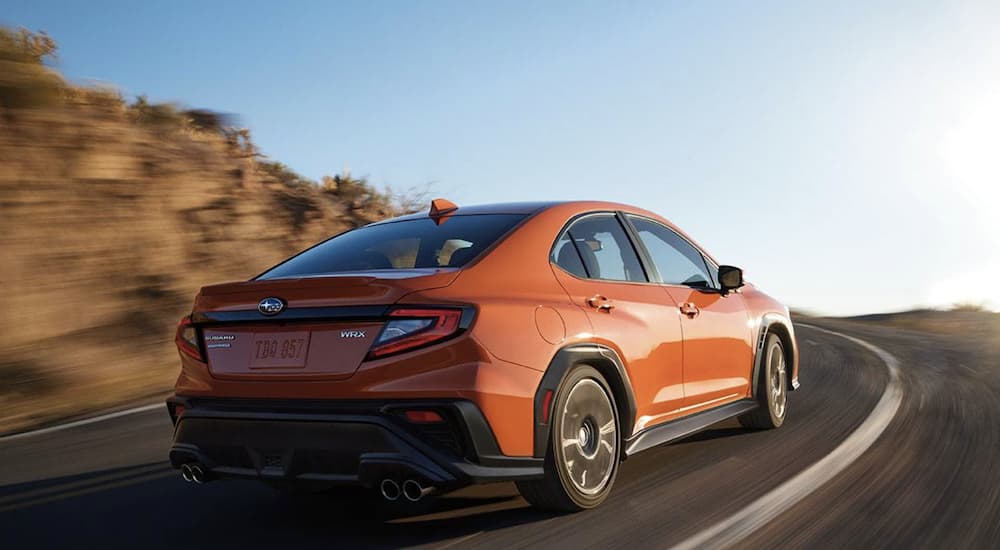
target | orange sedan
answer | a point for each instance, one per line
(540, 343)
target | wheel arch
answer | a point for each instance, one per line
(600, 357)
(780, 326)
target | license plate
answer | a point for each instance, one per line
(279, 350)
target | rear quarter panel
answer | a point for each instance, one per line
(524, 316)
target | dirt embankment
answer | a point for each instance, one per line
(112, 215)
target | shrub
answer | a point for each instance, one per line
(968, 306)
(25, 81)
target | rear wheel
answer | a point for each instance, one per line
(771, 388)
(584, 447)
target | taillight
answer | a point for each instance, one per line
(412, 328)
(187, 339)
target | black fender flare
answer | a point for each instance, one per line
(608, 363)
(782, 326)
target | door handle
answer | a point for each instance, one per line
(689, 309)
(600, 303)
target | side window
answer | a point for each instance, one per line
(603, 251)
(565, 256)
(677, 260)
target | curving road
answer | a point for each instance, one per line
(929, 480)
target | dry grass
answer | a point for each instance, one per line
(963, 322)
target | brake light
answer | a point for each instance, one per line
(187, 339)
(412, 328)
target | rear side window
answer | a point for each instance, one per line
(677, 260)
(415, 243)
(566, 256)
(602, 250)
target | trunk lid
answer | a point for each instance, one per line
(349, 289)
(324, 331)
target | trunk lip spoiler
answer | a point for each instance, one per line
(340, 313)
(330, 313)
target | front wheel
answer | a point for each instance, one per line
(584, 446)
(770, 388)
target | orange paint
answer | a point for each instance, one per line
(526, 308)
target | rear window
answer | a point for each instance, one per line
(416, 243)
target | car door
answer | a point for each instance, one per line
(595, 262)
(718, 353)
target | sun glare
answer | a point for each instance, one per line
(971, 287)
(971, 154)
(971, 172)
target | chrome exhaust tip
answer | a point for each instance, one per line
(413, 491)
(186, 473)
(389, 489)
(197, 474)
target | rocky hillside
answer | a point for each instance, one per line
(112, 214)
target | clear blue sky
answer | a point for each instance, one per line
(847, 156)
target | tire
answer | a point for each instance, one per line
(584, 438)
(771, 389)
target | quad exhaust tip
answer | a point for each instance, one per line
(193, 473)
(197, 474)
(413, 491)
(389, 489)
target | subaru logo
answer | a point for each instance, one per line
(271, 306)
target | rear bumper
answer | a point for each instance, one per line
(348, 442)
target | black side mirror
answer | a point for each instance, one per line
(730, 278)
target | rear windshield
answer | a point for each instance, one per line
(416, 243)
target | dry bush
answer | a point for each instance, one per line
(101, 98)
(25, 81)
(969, 306)
(977, 323)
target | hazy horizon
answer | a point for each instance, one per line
(846, 157)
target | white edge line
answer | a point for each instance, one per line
(461, 540)
(84, 422)
(758, 513)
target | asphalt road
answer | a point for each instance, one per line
(930, 479)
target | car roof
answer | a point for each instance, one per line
(528, 207)
(492, 208)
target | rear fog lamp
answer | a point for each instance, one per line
(423, 417)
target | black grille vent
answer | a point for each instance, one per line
(441, 435)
